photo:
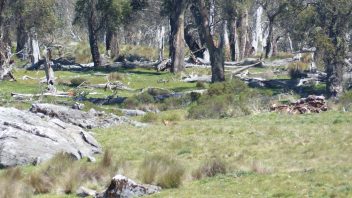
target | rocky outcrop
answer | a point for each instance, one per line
(311, 104)
(28, 138)
(86, 120)
(124, 187)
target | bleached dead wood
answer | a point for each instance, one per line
(110, 85)
(245, 68)
(58, 94)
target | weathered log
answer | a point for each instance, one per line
(245, 68)
(58, 94)
(110, 85)
(196, 78)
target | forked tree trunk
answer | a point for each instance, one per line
(177, 43)
(216, 52)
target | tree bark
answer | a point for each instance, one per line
(21, 38)
(161, 34)
(177, 43)
(269, 39)
(216, 52)
(93, 35)
(233, 40)
(192, 43)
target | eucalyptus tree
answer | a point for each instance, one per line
(216, 49)
(273, 9)
(97, 16)
(175, 10)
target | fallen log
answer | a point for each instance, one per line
(246, 67)
(59, 94)
(311, 104)
(110, 85)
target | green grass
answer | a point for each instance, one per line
(266, 155)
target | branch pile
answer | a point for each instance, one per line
(311, 104)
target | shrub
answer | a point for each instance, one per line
(229, 87)
(172, 117)
(210, 168)
(201, 85)
(115, 77)
(162, 171)
(296, 70)
(175, 102)
(228, 99)
(75, 82)
(138, 100)
(150, 117)
(346, 101)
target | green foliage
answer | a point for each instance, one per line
(346, 101)
(150, 117)
(228, 99)
(297, 69)
(75, 82)
(162, 171)
(38, 14)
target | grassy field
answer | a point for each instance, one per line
(265, 154)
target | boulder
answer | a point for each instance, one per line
(27, 138)
(124, 187)
(86, 120)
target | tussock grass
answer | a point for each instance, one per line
(210, 168)
(162, 171)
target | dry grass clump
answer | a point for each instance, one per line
(210, 168)
(150, 117)
(162, 171)
(296, 70)
(12, 185)
(115, 76)
(75, 82)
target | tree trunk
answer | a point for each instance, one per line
(161, 34)
(216, 52)
(93, 35)
(192, 43)
(177, 44)
(22, 38)
(34, 47)
(269, 39)
(243, 35)
(112, 45)
(232, 39)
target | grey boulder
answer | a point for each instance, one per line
(28, 138)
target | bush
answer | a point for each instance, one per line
(296, 70)
(138, 100)
(75, 82)
(150, 117)
(173, 117)
(201, 85)
(229, 87)
(175, 102)
(228, 99)
(162, 171)
(210, 168)
(346, 101)
(115, 77)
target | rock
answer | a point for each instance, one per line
(85, 192)
(124, 187)
(312, 104)
(86, 120)
(133, 112)
(26, 138)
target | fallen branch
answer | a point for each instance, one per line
(245, 68)
(59, 94)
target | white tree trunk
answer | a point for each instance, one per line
(161, 33)
(212, 16)
(34, 46)
(258, 34)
